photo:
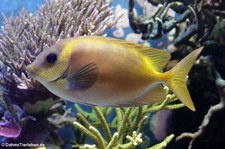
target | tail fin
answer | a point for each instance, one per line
(178, 75)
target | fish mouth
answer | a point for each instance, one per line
(31, 71)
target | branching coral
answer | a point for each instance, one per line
(164, 143)
(213, 109)
(124, 130)
(193, 25)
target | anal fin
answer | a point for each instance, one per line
(155, 95)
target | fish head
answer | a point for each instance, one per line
(51, 63)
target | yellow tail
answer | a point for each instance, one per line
(178, 75)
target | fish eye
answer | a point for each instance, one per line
(51, 58)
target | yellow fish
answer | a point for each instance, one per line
(103, 71)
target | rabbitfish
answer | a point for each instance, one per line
(103, 71)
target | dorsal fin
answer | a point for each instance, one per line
(157, 58)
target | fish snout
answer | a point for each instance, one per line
(31, 71)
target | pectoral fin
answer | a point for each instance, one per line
(83, 78)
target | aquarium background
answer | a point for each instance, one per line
(202, 87)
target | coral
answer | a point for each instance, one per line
(9, 126)
(212, 110)
(124, 130)
(59, 120)
(10, 129)
(193, 24)
(164, 143)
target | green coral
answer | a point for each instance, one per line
(124, 130)
(164, 143)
